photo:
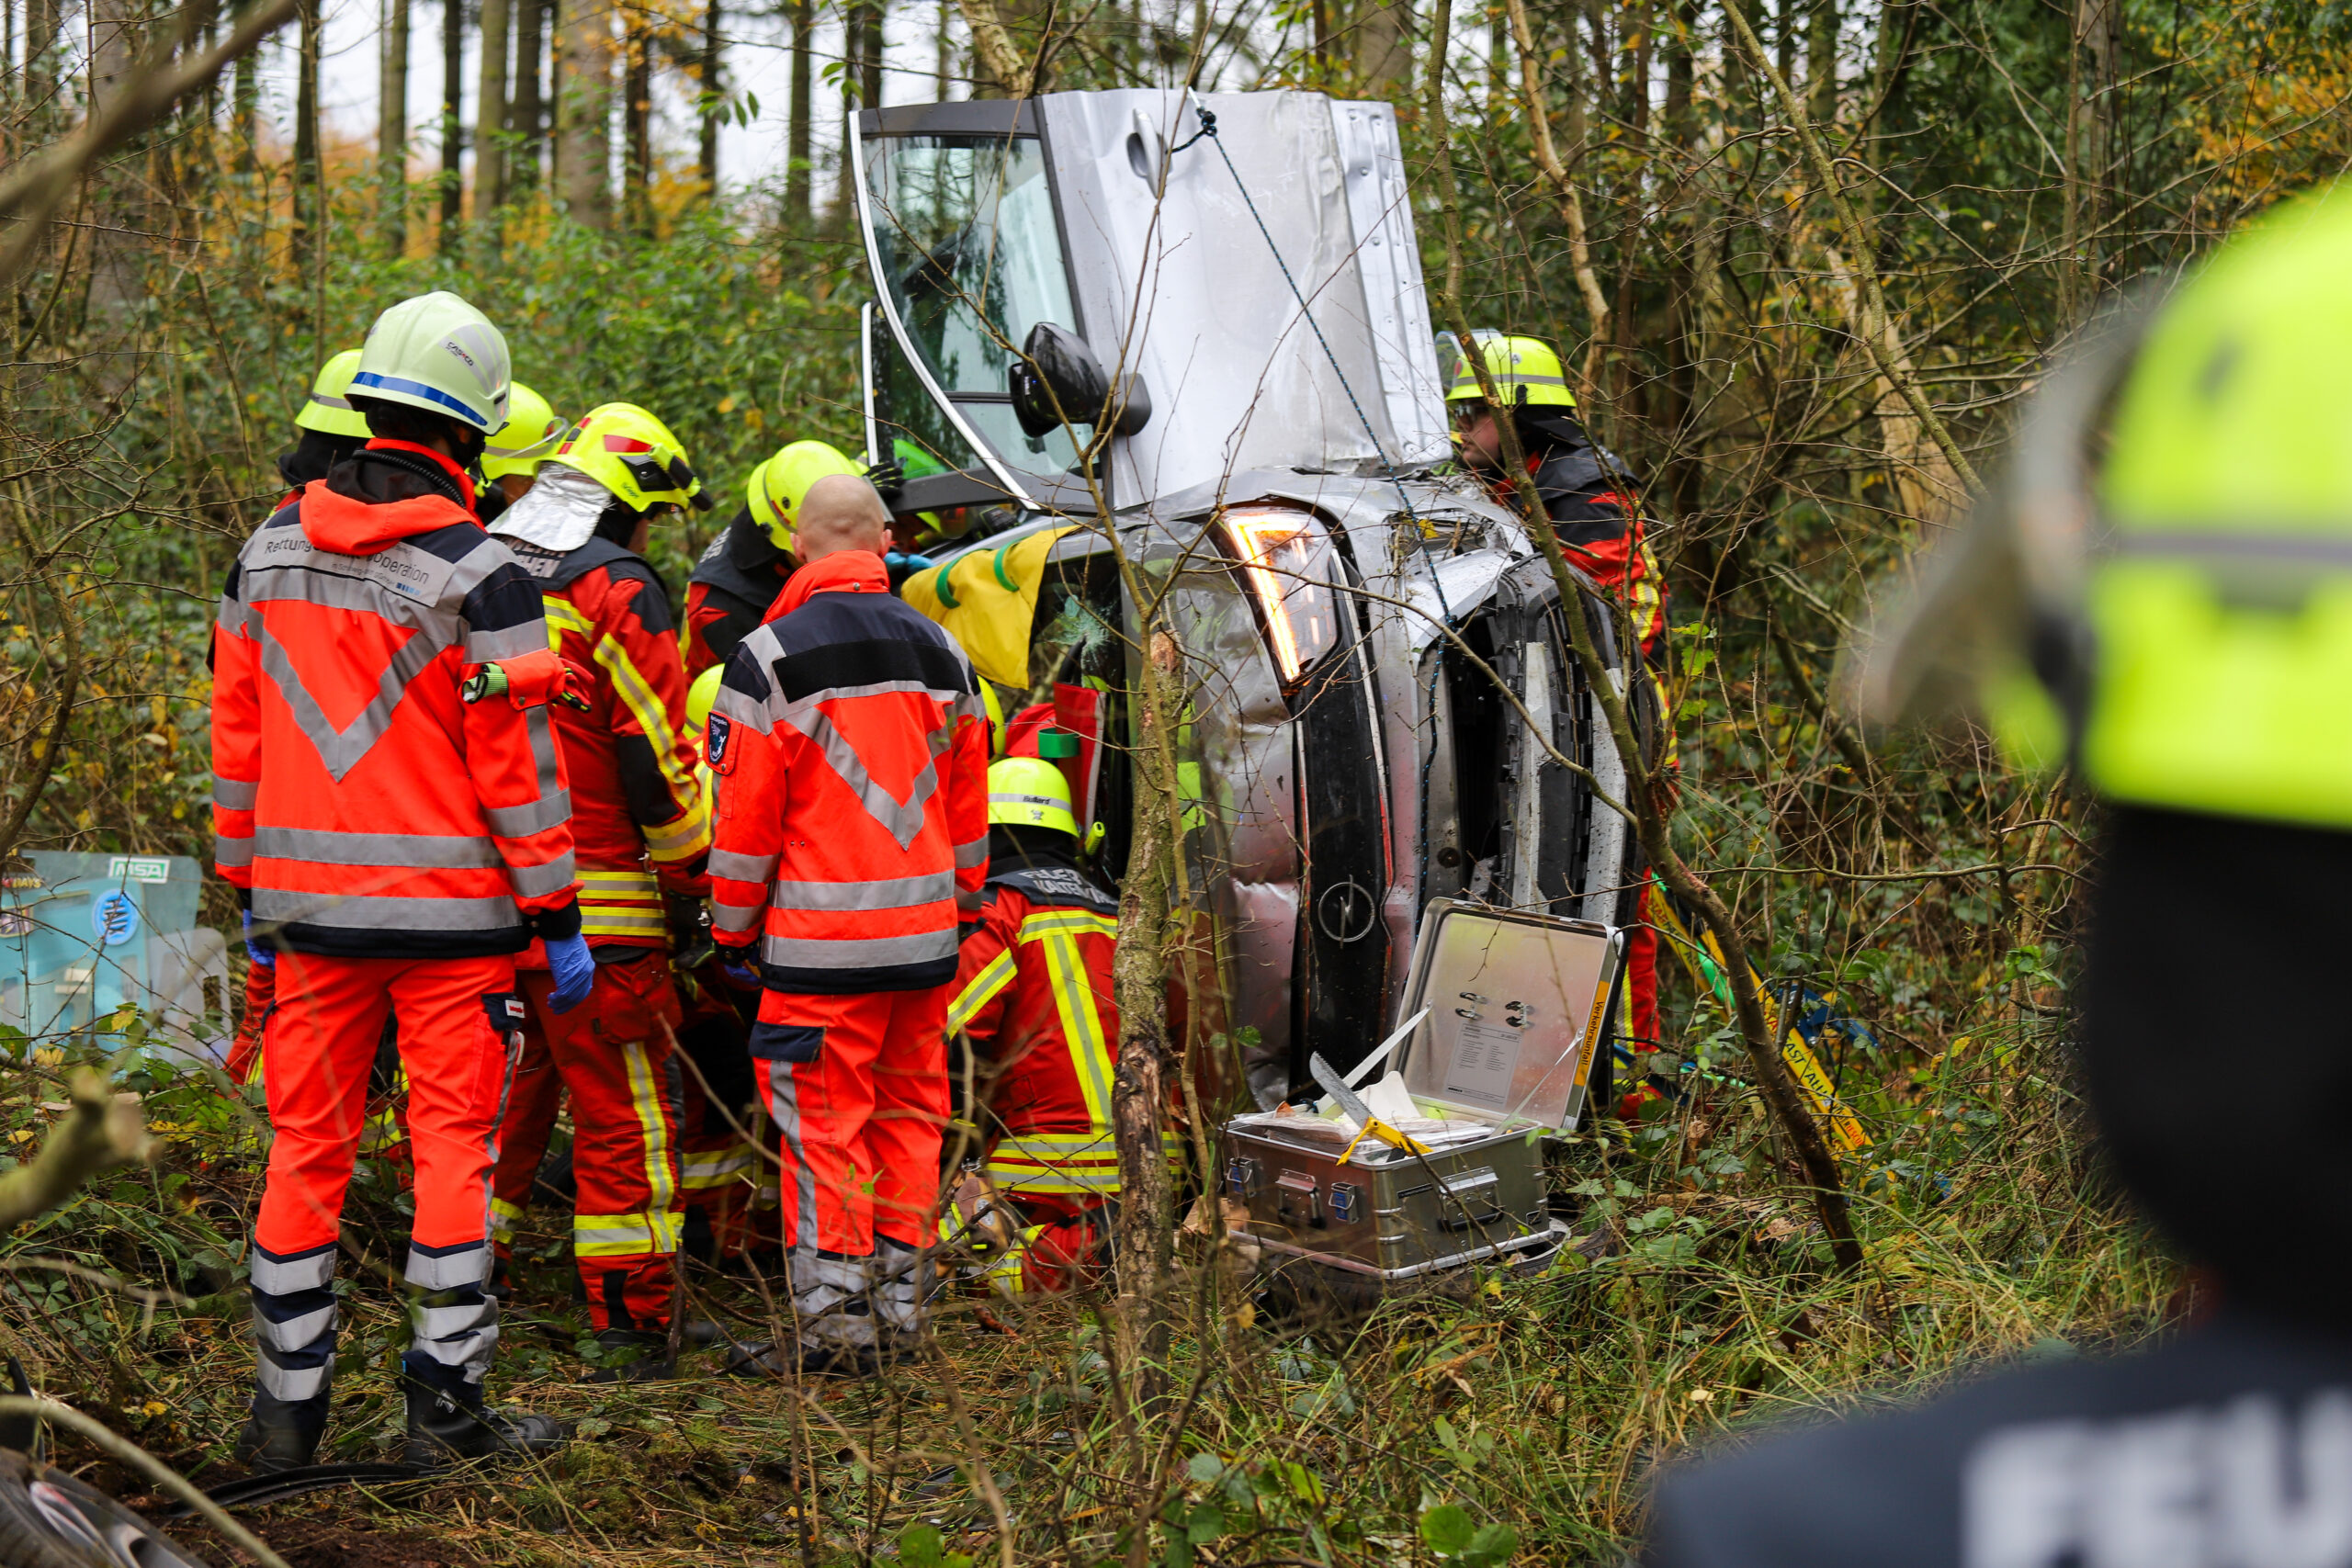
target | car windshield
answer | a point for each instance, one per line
(963, 226)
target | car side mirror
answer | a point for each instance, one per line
(1056, 367)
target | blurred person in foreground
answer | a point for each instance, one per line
(2175, 622)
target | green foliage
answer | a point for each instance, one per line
(1448, 1531)
(921, 1546)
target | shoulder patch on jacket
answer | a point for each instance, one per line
(715, 739)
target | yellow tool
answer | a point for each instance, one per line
(1368, 1125)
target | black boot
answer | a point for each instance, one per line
(280, 1433)
(632, 1355)
(447, 1422)
(766, 1359)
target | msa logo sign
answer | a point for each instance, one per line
(2248, 1486)
(131, 868)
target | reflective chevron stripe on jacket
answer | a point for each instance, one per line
(851, 751)
(364, 805)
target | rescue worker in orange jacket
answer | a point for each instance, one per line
(1034, 997)
(641, 831)
(395, 845)
(327, 430)
(744, 568)
(851, 749)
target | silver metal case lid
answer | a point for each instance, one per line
(1516, 1003)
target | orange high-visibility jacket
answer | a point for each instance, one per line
(358, 799)
(639, 821)
(851, 751)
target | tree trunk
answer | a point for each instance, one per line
(853, 19)
(1679, 130)
(525, 121)
(41, 21)
(115, 202)
(799, 183)
(943, 58)
(391, 131)
(999, 58)
(245, 100)
(585, 104)
(453, 134)
(1821, 65)
(2090, 100)
(1383, 51)
(637, 123)
(309, 183)
(490, 121)
(706, 69)
(1633, 72)
(1144, 1243)
(869, 73)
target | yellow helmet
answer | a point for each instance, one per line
(777, 486)
(328, 409)
(1526, 370)
(529, 437)
(633, 455)
(702, 695)
(1024, 792)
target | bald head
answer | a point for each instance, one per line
(841, 512)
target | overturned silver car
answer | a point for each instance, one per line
(1252, 301)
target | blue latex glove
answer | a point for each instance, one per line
(265, 956)
(740, 968)
(575, 971)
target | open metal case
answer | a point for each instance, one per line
(1518, 1003)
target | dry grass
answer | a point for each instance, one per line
(1695, 1304)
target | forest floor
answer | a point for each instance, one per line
(1516, 1416)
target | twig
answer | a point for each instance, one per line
(102, 1130)
(1868, 320)
(37, 188)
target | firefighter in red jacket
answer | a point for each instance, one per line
(744, 568)
(395, 845)
(1034, 997)
(1585, 489)
(1588, 495)
(851, 749)
(642, 831)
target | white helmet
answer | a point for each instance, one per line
(437, 353)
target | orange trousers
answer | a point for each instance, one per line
(612, 1052)
(323, 1028)
(858, 1088)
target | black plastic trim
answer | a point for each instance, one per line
(976, 117)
